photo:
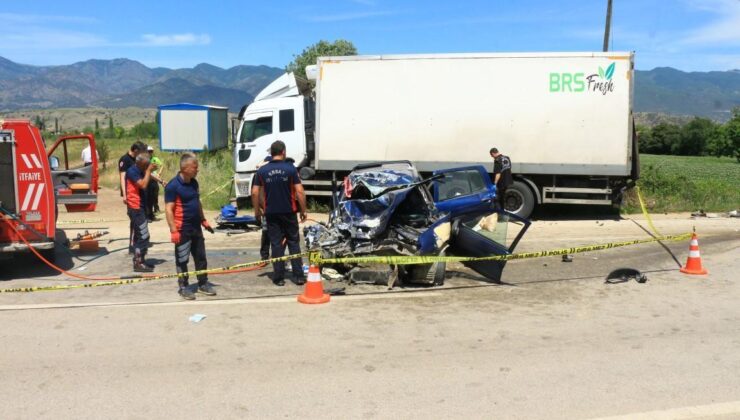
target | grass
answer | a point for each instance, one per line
(215, 169)
(668, 183)
(687, 183)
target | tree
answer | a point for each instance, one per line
(322, 48)
(662, 137)
(56, 125)
(693, 139)
(732, 133)
(97, 125)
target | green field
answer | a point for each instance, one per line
(668, 183)
(215, 171)
(687, 183)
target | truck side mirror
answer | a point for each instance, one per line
(54, 163)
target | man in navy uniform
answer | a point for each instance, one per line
(279, 185)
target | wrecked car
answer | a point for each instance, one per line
(388, 209)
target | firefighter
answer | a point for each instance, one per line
(284, 197)
(185, 218)
(126, 161)
(137, 179)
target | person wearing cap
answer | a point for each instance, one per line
(278, 184)
(501, 175)
(152, 190)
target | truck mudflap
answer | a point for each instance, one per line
(486, 236)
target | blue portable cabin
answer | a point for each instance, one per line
(191, 127)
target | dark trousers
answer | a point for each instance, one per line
(191, 243)
(152, 198)
(265, 244)
(281, 226)
(500, 197)
(140, 227)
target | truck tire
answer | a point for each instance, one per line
(519, 199)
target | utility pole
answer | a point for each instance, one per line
(608, 25)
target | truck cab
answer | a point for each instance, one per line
(279, 112)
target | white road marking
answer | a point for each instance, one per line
(36, 200)
(690, 412)
(27, 198)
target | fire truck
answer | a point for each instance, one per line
(34, 182)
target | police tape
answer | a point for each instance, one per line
(317, 259)
(133, 280)
(81, 221)
(645, 212)
(219, 188)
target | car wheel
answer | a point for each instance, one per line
(519, 199)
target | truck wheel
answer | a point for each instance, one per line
(519, 199)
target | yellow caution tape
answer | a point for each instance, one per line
(124, 281)
(316, 258)
(79, 221)
(645, 212)
(219, 188)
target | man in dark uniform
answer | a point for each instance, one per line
(137, 178)
(126, 161)
(501, 175)
(185, 218)
(283, 193)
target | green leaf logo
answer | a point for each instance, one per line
(601, 72)
(609, 71)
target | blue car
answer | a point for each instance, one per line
(386, 208)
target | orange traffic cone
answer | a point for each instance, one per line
(314, 291)
(693, 263)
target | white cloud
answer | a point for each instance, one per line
(175, 40)
(347, 16)
(722, 31)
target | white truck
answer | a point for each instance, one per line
(564, 119)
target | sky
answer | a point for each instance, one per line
(690, 35)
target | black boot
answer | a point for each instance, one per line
(139, 265)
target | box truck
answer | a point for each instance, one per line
(564, 119)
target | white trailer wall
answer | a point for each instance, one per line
(446, 110)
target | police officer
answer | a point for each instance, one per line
(185, 218)
(283, 192)
(137, 178)
(501, 175)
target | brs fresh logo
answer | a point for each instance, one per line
(576, 82)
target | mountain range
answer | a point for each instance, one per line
(123, 83)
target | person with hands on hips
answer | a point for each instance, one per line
(277, 183)
(186, 220)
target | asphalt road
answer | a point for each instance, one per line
(553, 342)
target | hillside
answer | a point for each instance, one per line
(128, 83)
(124, 83)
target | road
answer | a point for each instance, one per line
(553, 342)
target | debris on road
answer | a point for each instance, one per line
(196, 318)
(622, 275)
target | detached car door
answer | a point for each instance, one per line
(75, 183)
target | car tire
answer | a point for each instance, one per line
(519, 199)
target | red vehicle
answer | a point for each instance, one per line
(32, 184)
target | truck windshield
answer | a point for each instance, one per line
(254, 129)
